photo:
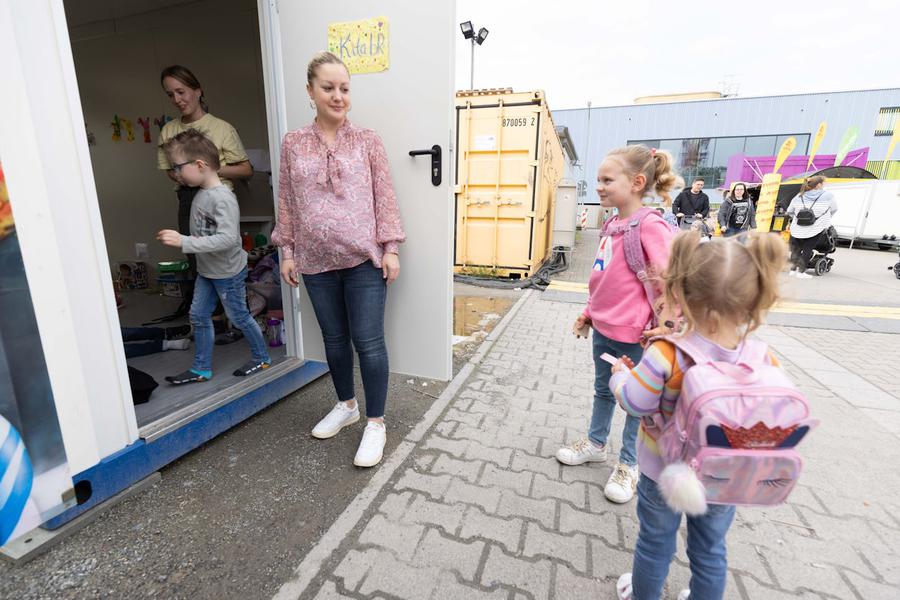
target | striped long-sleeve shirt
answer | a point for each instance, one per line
(654, 386)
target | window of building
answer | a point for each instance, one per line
(760, 145)
(726, 148)
(708, 157)
(887, 120)
(802, 142)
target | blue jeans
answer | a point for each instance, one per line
(349, 305)
(605, 402)
(141, 341)
(656, 545)
(232, 292)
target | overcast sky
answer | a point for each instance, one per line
(612, 52)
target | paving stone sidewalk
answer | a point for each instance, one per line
(481, 509)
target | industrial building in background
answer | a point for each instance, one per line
(706, 134)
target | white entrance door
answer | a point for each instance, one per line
(411, 106)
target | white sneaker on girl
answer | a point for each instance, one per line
(623, 589)
(580, 452)
(621, 484)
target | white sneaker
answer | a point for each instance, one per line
(371, 448)
(684, 594)
(580, 452)
(623, 587)
(339, 417)
(802, 275)
(621, 484)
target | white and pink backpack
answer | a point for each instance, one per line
(732, 438)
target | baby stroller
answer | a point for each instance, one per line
(689, 223)
(895, 269)
(821, 263)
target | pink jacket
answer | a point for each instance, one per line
(336, 205)
(617, 303)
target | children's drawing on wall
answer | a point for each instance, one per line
(144, 122)
(129, 129)
(35, 484)
(116, 125)
(161, 121)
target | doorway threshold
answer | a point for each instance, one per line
(175, 420)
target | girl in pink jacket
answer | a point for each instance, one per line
(618, 309)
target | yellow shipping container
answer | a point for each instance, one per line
(508, 163)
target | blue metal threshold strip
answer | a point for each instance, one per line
(132, 464)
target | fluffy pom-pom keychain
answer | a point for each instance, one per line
(682, 489)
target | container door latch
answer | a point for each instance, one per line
(435, 153)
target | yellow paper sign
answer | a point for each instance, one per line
(817, 141)
(768, 194)
(786, 148)
(364, 46)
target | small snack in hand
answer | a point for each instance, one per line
(609, 358)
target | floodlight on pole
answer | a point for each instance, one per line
(468, 31)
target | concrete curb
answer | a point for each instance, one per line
(309, 567)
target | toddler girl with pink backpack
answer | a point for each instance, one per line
(719, 419)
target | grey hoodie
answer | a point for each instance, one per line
(823, 205)
(215, 237)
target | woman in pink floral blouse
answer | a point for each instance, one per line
(339, 228)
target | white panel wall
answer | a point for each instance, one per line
(44, 149)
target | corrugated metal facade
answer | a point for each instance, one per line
(614, 126)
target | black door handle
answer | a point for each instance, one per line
(435, 152)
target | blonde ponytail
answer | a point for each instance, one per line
(769, 256)
(724, 281)
(655, 165)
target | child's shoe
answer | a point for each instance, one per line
(621, 485)
(580, 452)
(189, 376)
(250, 367)
(623, 587)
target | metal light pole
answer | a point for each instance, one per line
(468, 31)
(472, 66)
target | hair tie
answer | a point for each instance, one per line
(652, 151)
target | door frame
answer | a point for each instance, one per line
(276, 120)
(57, 308)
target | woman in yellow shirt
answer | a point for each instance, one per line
(184, 90)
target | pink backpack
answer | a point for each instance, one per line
(733, 435)
(634, 251)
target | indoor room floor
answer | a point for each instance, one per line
(141, 306)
